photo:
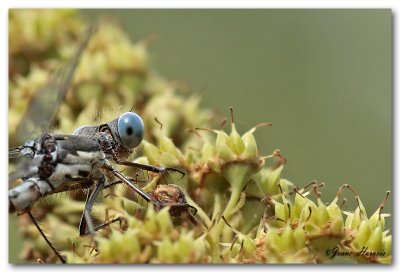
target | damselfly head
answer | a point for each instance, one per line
(130, 129)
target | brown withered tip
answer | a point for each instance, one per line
(172, 195)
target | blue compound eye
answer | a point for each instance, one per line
(130, 129)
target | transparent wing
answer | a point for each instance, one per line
(26, 167)
(44, 105)
(14, 153)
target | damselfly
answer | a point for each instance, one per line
(85, 160)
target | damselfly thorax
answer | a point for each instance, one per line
(68, 162)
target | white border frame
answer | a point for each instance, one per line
(339, 4)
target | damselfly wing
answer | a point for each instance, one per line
(44, 105)
(40, 114)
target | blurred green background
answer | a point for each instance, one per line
(322, 77)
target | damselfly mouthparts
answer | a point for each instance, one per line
(85, 160)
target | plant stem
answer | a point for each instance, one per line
(215, 234)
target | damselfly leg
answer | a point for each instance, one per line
(61, 258)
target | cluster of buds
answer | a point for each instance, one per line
(153, 239)
(36, 36)
(300, 227)
(301, 231)
(368, 241)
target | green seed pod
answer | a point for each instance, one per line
(287, 240)
(269, 178)
(235, 142)
(299, 238)
(222, 147)
(322, 214)
(387, 245)
(363, 234)
(249, 246)
(337, 225)
(334, 210)
(374, 242)
(119, 247)
(250, 147)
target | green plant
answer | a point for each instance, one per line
(247, 213)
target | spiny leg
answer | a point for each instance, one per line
(111, 184)
(137, 189)
(86, 220)
(150, 168)
(45, 237)
(103, 225)
(83, 224)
